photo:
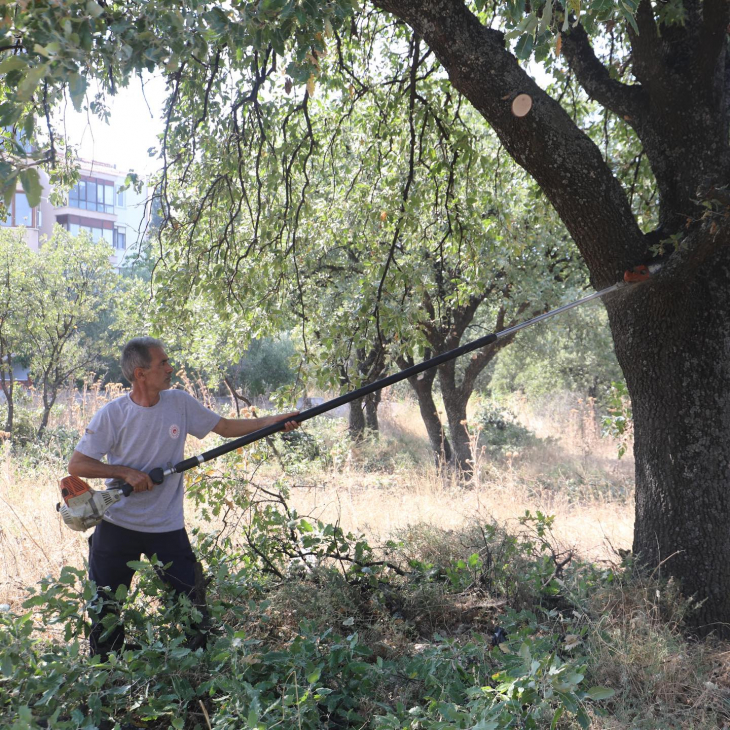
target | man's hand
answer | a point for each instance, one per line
(87, 468)
(138, 479)
(289, 425)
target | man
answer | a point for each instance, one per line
(137, 432)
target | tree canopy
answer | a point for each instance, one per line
(51, 300)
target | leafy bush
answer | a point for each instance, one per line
(327, 443)
(265, 366)
(500, 430)
(573, 353)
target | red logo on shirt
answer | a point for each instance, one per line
(174, 431)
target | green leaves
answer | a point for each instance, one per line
(77, 88)
(50, 298)
(28, 85)
(600, 693)
(618, 424)
(31, 182)
(60, 46)
(536, 28)
(12, 63)
(94, 9)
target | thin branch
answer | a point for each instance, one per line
(623, 100)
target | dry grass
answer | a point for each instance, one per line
(577, 479)
(662, 680)
(590, 497)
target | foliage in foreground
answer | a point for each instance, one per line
(314, 628)
(266, 667)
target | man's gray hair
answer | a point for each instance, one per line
(136, 354)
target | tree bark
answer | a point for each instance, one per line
(48, 401)
(673, 345)
(455, 407)
(457, 387)
(422, 386)
(356, 421)
(372, 402)
(7, 383)
(369, 365)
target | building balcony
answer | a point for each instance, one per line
(95, 215)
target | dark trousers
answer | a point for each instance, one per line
(110, 549)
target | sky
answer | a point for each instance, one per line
(132, 129)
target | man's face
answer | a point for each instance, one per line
(158, 375)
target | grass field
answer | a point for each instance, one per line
(631, 628)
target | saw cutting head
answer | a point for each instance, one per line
(82, 506)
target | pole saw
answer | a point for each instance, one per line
(84, 507)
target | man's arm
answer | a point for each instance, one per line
(235, 427)
(81, 465)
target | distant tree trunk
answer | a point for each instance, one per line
(457, 389)
(370, 366)
(48, 400)
(7, 383)
(356, 421)
(372, 402)
(455, 407)
(52, 381)
(423, 388)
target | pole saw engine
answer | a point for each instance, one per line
(84, 507)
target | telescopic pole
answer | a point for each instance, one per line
(157, 475)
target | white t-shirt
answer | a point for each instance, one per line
(146, 438)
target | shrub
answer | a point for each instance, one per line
(501, 431)
(285, 651)
(266, 366)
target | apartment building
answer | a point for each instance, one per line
(95, 205)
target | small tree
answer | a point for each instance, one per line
(16, 265)
(72, 286)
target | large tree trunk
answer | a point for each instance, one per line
(674, 348)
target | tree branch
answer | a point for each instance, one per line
(626, 101)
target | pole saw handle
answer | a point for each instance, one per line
(127, 489)
(155, 475)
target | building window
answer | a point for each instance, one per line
(120, 198)
(23, 211)
(120, 238)
(92, 194)
(97, 230)
(20, 213)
